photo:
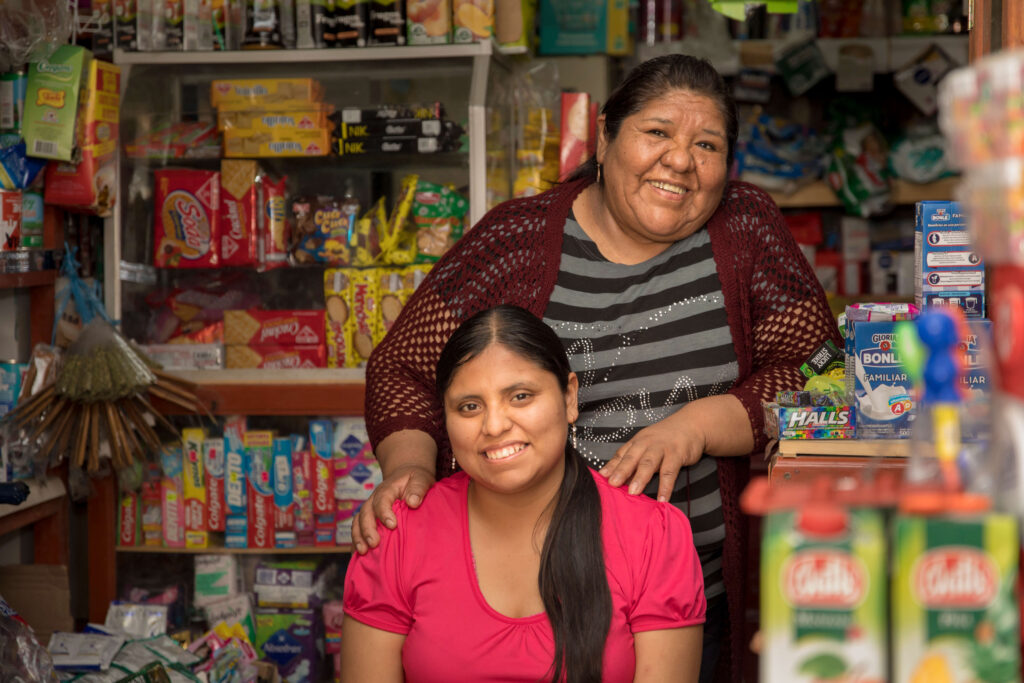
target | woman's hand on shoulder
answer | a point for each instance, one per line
(663, 448)
(409, 483)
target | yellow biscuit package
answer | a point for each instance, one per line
(264, 91)
(277, 142)
(366, 321)
(309, 117)
(395, 286)
(339, 319)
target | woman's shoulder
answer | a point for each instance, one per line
(634, 512)
(740, 192)
(443, 502)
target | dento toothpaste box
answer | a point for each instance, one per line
(235, 467)
(213, 473)
(823, 598)
(192, 439)
(259, 453)
(947, 269)
(955, 615)
(877, 386)
(172, 505)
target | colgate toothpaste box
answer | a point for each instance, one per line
(236, 467)
(194, 487)
(129, 521)
(236, 531)
(259, 452)
(172, 507)
(347, 509)
(284, 515)
(274, 328)
(187, 203)
(239, 211)
(321, 433)
(152, 527)
(356, 470)
(302, 475)
(213, 472)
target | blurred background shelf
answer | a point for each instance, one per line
(820, 193)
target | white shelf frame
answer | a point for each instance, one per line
(484, 57)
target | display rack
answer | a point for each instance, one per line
(45, 511)
(821, 194)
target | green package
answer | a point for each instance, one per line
(51, 103)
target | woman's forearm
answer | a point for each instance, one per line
(407, 448)
(725, 424)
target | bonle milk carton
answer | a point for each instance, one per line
(947, 269)
(876, 383)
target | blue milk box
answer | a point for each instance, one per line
(947, 270)
(877, 386)
(976, 382)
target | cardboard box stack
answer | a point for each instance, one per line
(271, 117)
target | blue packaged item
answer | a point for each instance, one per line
(877, 385)
(947, 269)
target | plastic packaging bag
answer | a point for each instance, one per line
(22, 658)
(30, 30)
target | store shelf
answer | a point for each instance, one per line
(278, 392)
(37, 278)
(221, 550)
(878, 448)
(46, 497)
(364, 54)
(821, 194)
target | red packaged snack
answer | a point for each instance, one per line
(273, 242)
(187, 203)
(239, 211)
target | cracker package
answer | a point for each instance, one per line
(303, 117)
(395, 286)
(275, 357)
(438, 215)
(187, 204)
(272, 245)
(276, 142)
(262, 93)
(239, 211)
(366, 321)
(338, 323)
(287, 327)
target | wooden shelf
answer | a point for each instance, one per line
(871, 448)
(221, 550)
(45, 511)
(307, 392)
(38, 278)
(821, 194)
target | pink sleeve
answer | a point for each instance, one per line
(373, 583)
(669, 579)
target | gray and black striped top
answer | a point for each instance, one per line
(644, 340)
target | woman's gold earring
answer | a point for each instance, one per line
(599, 174)
(574, 436)
(455, 465)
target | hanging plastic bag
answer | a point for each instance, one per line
(22, 658)
(30, 30)
(78, 302)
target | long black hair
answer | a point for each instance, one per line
(655, 78)
(573, 583)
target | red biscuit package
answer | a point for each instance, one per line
(187, 204)
(273, 243)
(239, 211)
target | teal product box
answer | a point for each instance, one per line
(877, 386)
(282, 463)
(584, 27)
(235, 467)
(31, 219)
(947, 269)
(10, 385)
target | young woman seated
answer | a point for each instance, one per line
(526, 565)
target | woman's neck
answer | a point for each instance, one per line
(512, 515)
(600, 226)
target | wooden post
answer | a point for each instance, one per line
(102, 520)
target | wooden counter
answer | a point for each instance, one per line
(798, 459)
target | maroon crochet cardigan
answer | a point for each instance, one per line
(776, 308)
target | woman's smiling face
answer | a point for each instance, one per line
(665, 171)
(508, 421)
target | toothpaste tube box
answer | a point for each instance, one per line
(129, 521)
(236, 466)
(259, 452)
(947, 269)
(284, 515)
(321, 433)
(877, 386)
(192, 439)
(172, 509)
(150, 494)
(347, 509)
(302, 475)
(288, 639)
(213, 472)
(236, 531)
(356, 471)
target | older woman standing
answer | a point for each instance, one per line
(682, 301)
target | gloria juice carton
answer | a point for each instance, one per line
(947, 269)
(823, 579)
(955, 616)
(259, 453)
(196, 535)
(877, 385)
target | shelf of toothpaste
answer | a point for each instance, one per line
(217, 618)
(240, 488)
(306, 24)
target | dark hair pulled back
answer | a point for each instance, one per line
(573, 583)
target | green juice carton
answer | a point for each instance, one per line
(823, 593)
(954, 607)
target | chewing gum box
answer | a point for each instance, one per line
(213, 473)
(877, 386)
(947, 269)
(187, 205)
(259, 451)
(321, 438)
(192, 439)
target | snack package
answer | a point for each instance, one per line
(239, 211)
(387, 22)
(365, 316)
(187, 204)
(300, 116)
(51, 103)
(272, 246)
(327, 231)
(285, 328)
(350, 23)
(338, 326)
(275, 357)
(428, 22)
(437, 217)
(395, 286)
(263, 93)
(276, 142)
